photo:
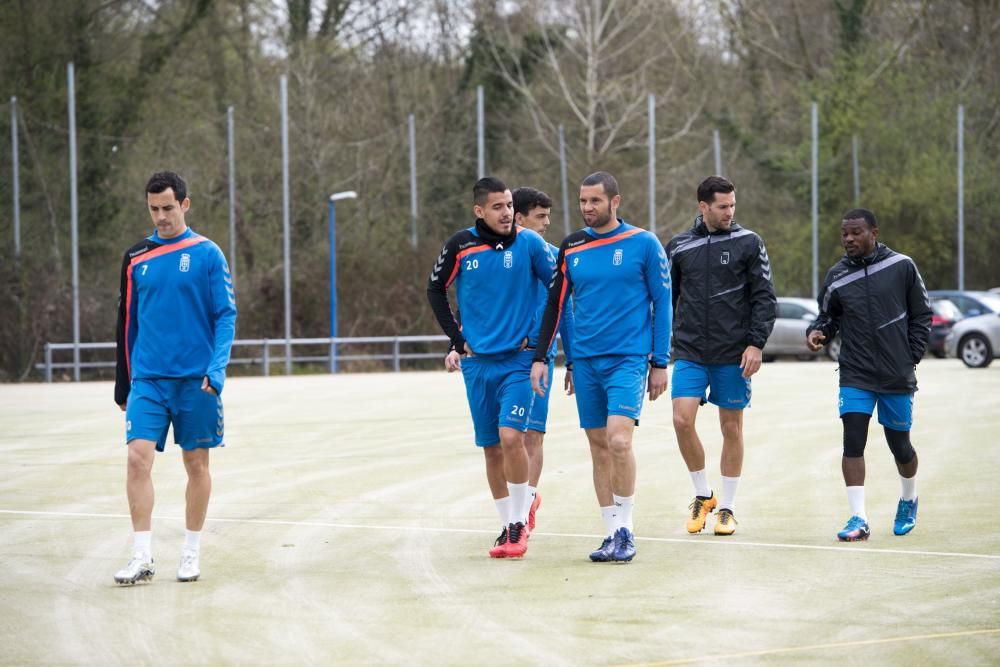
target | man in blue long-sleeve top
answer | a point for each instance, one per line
(495, 267)
(619, 279)
(176, 322)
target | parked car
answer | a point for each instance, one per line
(970, 302)
(945, 315)
(788, 337)
(975, 340)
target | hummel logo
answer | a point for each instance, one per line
(439, 263)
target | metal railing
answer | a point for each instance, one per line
(264, 357)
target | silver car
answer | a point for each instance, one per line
(975, 340)
(788, 337)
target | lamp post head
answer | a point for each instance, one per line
(348, 194)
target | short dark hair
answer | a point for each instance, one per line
(161, 180)
(527, 199)
(605, 179)
(486, 186)
(861, 214)
(712, 185)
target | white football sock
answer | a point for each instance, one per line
(856, 498)
(143, 542)
(623, 506)
(518, 502)
(701, 487)
(728, 499)
(192, 540)
(610, 521)
(503, 509)
(909, 485)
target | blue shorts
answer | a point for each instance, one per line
(540, 408)
(729, 389)
(498, 387)
(609, 385)
(153, 405)
(895, 411)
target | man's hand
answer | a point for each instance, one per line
(453, 362)
(123, 406)
(540, 377)
(657, 382)
(815, 340)
(568, 383)
(750, 363)
(207, 388)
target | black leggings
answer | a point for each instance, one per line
(856, 436)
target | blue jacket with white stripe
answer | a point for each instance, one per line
(723, 296)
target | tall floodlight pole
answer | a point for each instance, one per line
(74, 219)
(961, 197)
(815, 200)
(15, 181)
(332, 218)
(231, 143)
(480, 133)
(562, 178)
(857, 170)
(717, 149)
(413, 180)
(285, 224)
(652, 162)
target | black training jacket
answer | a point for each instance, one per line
(879, 305)
(723, 296)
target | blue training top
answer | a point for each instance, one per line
(496, 289)
(176, 313)
(620, 285)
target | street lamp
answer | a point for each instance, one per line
(335, 197)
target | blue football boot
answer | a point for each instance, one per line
(606, 552)
(906, 516)
(856, 530)
(624, 545)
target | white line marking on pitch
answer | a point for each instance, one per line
(440, 529)
(814, 647)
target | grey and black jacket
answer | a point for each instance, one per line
(879, 305)
(723, 296)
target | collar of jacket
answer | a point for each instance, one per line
(880, 251)
(701, 229)
(498, 242)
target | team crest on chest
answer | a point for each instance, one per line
(185, 264)
(725, 257)
(508, 259)
(616, 259)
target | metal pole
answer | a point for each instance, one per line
(815, 200)
(961, 197)
(857, 171)
(717, 148)
(652, 162)
(230, 132)
(413, 181)
(332, 220)
(74, 218)
(15, 181)
(480, 132)
(562, 177)
(285, 222)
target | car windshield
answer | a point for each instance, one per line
(992, 301)
(946, 309)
